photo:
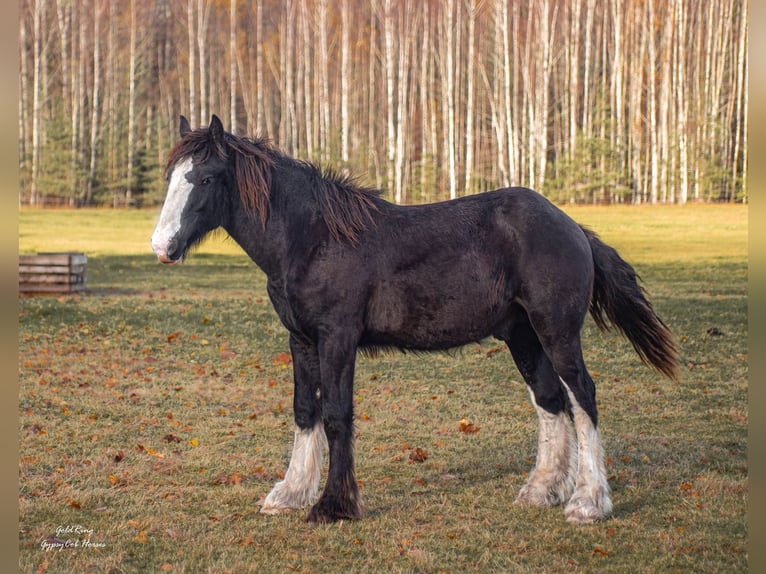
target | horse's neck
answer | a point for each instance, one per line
(249, 233)
(268, 246)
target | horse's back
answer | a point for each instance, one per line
(450, 273)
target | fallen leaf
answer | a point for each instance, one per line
(173, 336)
(282, 359)
(599, 552)
(418, 455)
(468, 427)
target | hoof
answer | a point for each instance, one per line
(534, 496)
(326, 511)
(545, 493)
(582, 510)
(283, 499)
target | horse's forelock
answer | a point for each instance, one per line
(195, 144)
(252, 164)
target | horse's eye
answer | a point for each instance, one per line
(205, 180)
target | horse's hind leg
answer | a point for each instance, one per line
(553, 478)
(590, 501)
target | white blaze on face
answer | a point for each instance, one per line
(169, 224)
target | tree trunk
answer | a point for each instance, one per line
(448, 90)
(307, 79)
(390, 72)
(95, 102)
(740, 117)
(471, 15)
(345, 79)
(203, 9)
(23, 107)
(37, 63)
(233, 66)
(131, 100)
(654, 157)
(259, 104)
(192, 60)
(682, 96)
(587, 67)
(407, 26)
(324, 81)
(574, 75)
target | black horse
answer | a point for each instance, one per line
(348, 271)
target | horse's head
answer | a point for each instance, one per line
(199, 191)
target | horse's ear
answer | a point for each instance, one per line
(216, 130)
(184, 127)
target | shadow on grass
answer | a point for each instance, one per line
(136, 275)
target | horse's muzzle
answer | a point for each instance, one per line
(165, 254)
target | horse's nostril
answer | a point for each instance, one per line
(171, 247)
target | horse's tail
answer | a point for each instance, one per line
(618, 300)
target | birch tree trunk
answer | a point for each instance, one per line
(574, 74)
(308, 84)
(38, 13)
(617, 122)
(372, 108)
(682, 105)
(654, 157)
(546, 35)
(471, 15)
(740, 96)
(23, 99)
(664, 108)
(324, 81)
(388, 33)
(408, 25)
(192, 60)
(131, 101)
(202, 21)
(64, 17)
(512, 107)
(588, 66)
(233, 66)
(448, 76)
(345, 80)
(497, 92)
(96, 99)
(259, 112)
(425, 75)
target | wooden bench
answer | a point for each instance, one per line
(52, 273)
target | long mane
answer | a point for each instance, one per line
(345, 207)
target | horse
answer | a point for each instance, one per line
(348, 271)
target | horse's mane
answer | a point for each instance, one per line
(345, 207)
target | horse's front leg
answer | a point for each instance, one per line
(340, 498)
(301, 483)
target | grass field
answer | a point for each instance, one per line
(155, 411)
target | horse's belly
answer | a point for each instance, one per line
(433, 318)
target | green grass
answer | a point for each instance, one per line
(156, 410)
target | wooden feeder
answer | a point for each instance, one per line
(52, 273)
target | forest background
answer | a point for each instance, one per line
(588, 101)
